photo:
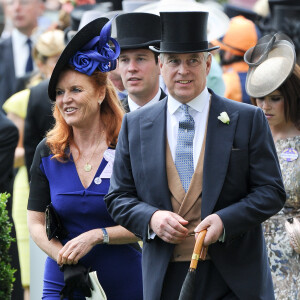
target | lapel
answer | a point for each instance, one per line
(162, 94)
(125, 104)
(219, 141)
(7, 61)
(8, 80)
(153, 152)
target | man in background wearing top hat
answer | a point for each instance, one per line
(196, 161)
(138, 65)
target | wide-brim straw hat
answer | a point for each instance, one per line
(270, 62)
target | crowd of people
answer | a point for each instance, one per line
(125, 135)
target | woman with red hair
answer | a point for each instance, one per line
(70, 176)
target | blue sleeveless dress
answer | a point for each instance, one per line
(81, 209)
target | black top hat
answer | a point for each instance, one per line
(233, 11)
(273, 3)
(183, 32)
(78, 11)
(283, 15)
(86, 51)
(138, 30)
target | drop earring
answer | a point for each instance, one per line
(99, 102)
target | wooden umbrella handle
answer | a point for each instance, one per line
(198, 249)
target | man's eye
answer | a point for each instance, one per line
(173, 61)
(194, 62)
(123, 60)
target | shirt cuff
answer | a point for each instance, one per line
(222, 237)
(151, 233)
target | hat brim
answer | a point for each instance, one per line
(125, 46)
(269, 75)
(159, 50)
(80, 39)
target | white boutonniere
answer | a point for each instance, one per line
(223, 117)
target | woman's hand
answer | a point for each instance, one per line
(78, 247)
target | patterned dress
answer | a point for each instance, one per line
(284, 261)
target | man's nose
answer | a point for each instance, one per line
(132, 66)
(183, 68)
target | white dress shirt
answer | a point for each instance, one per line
(133, 106)
(198, 109)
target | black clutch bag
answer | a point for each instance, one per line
(54, 227)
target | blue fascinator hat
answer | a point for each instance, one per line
(87, 51)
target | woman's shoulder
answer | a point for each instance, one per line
(288, 142)
(43, 149)
(17, 103)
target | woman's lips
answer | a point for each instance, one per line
(268, 116)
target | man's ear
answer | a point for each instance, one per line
(208, 63)
(160, 63)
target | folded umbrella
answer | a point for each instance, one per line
(188, 287)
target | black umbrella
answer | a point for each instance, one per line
(188, 287)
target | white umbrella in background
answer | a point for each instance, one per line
(217, 23)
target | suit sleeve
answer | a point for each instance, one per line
(39, 194)
(266, 195)
(122, 200)
(8, 142)
(31, 134)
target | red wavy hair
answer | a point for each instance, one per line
(61, 135)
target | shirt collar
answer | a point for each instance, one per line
(20, 39)
(197, 103)
(133, 106)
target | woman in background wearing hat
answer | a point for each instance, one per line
(72, 168)
(46, 51)
(273, 82)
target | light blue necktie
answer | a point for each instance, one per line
(184, 149)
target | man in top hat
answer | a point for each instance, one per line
(196, 161)
(138, 65)
(284, 17)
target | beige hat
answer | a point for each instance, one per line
(270, 62)
(49, 43)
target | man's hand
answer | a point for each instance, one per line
(214, 226)
(169, 226)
